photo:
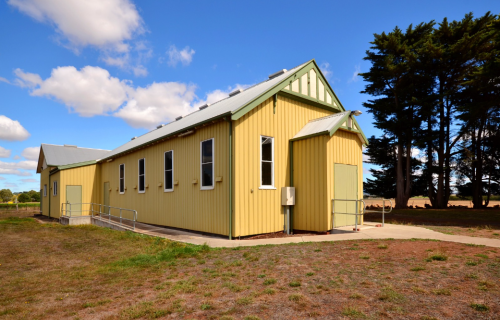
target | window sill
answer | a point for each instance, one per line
(141, 191)
(267, 188)
(168, 190)
(207, 188)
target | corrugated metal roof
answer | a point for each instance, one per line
(63, 155)
(228, 106)
(322, 125)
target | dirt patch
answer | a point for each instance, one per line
(59, 272)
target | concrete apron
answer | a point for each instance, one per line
(367, 231)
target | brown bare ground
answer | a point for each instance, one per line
(50, 271)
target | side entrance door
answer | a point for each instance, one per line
(105, 198)
(345, 188)
(74, 197)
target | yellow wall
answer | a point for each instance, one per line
(310, 181)
(187, 206)
(44, 179)
(346, 148)
(260, 211)
(55, 204)
(86, 176)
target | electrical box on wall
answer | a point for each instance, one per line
(288, 196)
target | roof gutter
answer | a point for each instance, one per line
(166, 136)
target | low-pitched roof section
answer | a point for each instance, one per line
(66, 156)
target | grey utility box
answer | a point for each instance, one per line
(288, 196)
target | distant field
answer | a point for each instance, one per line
(23, 206)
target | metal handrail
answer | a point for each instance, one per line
(383, 208)
(355, 214)
(100, 213)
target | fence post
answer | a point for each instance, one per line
(383, 212)
(120, 215)
(356, 220)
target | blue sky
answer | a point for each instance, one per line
(96, 74)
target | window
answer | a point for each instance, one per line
(44, 190)
(169, 171)
(54, 188)
(142, 175)
(122, 178)
(267, 162)
(207, 164)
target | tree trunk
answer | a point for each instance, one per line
(400, 183)
(431, 192)
(440, 189)
(447, 162)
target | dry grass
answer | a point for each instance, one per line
(60, 272)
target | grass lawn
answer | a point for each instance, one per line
(60, 272)
(483, 223)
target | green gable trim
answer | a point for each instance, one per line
(76, 165)
(310, 136)
(360, 131)
(308, 100)
(339, 124)
(287, 82)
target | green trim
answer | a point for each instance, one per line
(230, 180)
(310, 136)
(76, 165)
(53, 171)
(339, 124)
(309, 82)
(317, 84)
(291, 184)
(278, 87)
(360, 131)
(305, 99)
(168, 135)
(275, 100)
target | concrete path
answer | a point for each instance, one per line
(367, 231)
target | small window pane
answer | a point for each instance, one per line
(267, 174)
(122, 186)
(141, 183)
(206, 178)
(141, 166)
(267, 149)
(168, 160)
(168, 180)
(206, 147)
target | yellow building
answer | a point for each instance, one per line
(221, 169)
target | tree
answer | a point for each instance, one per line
(34, 195)
(5, 195)
(23, 198)
(395, 82)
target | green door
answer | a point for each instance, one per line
(345, 188)
(74, 198)
(105, 198)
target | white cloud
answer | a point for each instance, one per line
(140, 71)
(4, 153)
(106, 24)
(325, 69)
(157, 102)
(2, 178)
(355, 77)
(2, 79)
(185, 56)
(29, 180)
(31, 153)
(88, 91)
(10, 185)
(92, 91)
(16, 157)
(12, 130)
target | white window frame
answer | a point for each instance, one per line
(213, 165)
(54, 188)
(44, 190)
(139, 176)
(271, 187)
(119, 178)
(165, 170)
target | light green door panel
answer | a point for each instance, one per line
(105, 198)
(345, 188)
(74, 198)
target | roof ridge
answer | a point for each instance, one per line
(329, 116)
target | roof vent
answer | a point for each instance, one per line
(279, 73)
(235, 92)
(70, 146)
(133, 138)
(178, 118)
(206, 105)
(160, 126)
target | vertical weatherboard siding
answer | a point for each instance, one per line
(343, 147)
(260, 211)
(44, 180)
(187, 207)
(310, 181)
(55, 206)
(87, 177)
